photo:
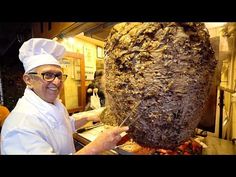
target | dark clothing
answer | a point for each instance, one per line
(100, 94)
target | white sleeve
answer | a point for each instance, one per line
(24, 142)
(72, 121)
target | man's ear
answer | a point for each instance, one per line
(28, 80)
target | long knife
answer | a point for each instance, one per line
(81, 130)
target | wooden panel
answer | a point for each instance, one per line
(44, 31)
(62, 94)
(82, 88)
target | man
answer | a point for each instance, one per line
(40, 124)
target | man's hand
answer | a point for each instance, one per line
(89, 90)
(94, 118)
(109, 138)
(95, 90)
(105, 141)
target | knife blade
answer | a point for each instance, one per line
(81, 130)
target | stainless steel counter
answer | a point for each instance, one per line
(215, 146)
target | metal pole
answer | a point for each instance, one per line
(221, 105)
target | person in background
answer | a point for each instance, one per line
(40, 123)
(97, 86)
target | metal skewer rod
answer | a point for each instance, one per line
(132, 111)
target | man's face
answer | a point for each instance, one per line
(48, 91)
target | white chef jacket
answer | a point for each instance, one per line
(37, 127)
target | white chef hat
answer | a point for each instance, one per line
(39, 51)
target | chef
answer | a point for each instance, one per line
(40, 123)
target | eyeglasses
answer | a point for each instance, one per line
(49, 77)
